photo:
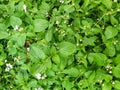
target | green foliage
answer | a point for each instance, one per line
(59, 45)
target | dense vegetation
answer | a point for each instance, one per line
(59, 45)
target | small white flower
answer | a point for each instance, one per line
(118, 10)
(47, 15)
(110, 72)
(115, 42)
(28, 49)
(86, 13)
(57, 22)
(5, 61)
(65, 21)
(21, 29)
(8, 67)
(115, 0)
(77, 44)
(113, 82)
(38, 76)
(80, 40)
(40, 88)
(43, 77)
(100, 81)
(24, 7)
(16, 27)
(16, 59)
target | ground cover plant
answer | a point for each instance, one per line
(59, 45)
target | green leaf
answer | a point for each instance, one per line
(40, 25)
(48, 63)
(3, 35)
(91, 78)
(86, 3)
(106, 86)
(96, 30)
(36, 52)
(56, 59)
(15, 21)
(32, 83)
(107, 3)
(36, 68)
(53, 50)
(67, 48)
(44, 8)
(67, 84)
(113, 20)
(48, 35)
(2, 27)
(117, 85)
(89, 41)
(116, 71)
(12, 50)
(1, 63)
(21, 39)
(99, 58)
(110, 32)
(117, 59)
(72, 72)
(69, 8)
(107, 77)
(99, 75)
(110, 49)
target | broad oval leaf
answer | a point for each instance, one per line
(48, 35)
(56, 59)
(15, 21)
(67, 48)
(37, 52)
(116, 71)
(110, 50)
(40, 25)
(106, 86)
(107, 3)
(99, 58)
(72, 72)
(117, 59)
(110, 32)
(21, 39)
(3, 34)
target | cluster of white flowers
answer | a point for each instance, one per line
(40, 88)
(61, 1)
(100, 81)
(16, 27)
(8, 67)
(115, 42)
(39, 76)
(108, 68)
